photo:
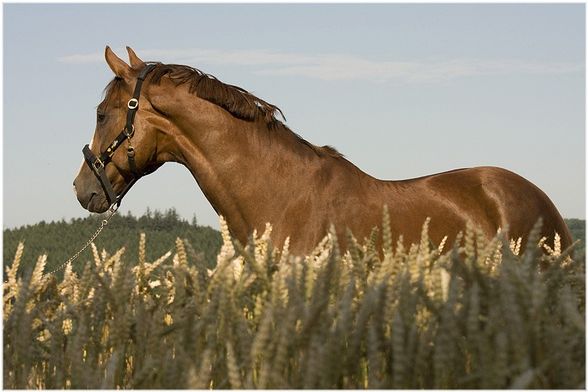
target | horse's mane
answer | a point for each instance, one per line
(235, 100)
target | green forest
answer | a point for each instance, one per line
(61, 239)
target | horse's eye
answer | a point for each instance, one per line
(100, 117)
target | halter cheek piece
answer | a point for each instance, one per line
(98, 163)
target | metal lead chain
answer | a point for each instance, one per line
(111, 212)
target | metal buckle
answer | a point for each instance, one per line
(133, 103)
(98, 164)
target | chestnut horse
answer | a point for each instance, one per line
(253, 169)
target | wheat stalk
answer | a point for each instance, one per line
(479, 316)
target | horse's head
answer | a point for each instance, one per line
(123, 147)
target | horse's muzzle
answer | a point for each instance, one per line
(89, 198)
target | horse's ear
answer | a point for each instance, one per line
(118, 66)
(136, 62)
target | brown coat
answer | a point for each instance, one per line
(253, 169)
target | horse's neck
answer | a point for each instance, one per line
(247, 172)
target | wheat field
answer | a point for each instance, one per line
(478, 314)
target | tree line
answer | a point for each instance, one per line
(61, 239)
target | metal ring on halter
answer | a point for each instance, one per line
(129, 134)
(133, 103)
(113, 207)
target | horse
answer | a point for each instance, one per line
(254, 170)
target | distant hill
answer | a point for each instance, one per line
(59, 240)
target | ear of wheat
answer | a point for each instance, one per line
(484, 314)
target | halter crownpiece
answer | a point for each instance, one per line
(98, 163)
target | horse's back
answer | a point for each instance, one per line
(494, 198)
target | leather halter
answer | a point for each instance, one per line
(98, 163)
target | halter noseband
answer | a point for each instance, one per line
(98, 163)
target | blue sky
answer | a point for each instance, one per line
(401, 90)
